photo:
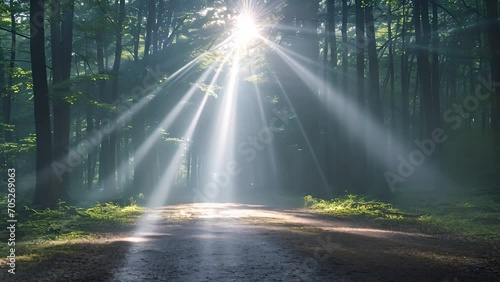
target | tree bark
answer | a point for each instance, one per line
(138, 28)
(61, 29)
(44, 195)
(7, 98)
(360, 151)
(113, 137)
(405, 84)
(149, 30)
(422, 39)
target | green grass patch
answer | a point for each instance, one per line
(476, 216)
(471, 216)
(355, 205)
(66, 223)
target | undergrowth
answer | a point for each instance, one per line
(355, 205)
(474, 216)
(66, 222)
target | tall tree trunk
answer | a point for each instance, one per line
(138, 28)
(103, 96)
(332, 132)
(360, 166)
(422, 39)
(405, 83)
(345, 49)
(149, 29)
(143, 177)
(7, 98)
(391, 72)
(435, 79)
(44, 195)
(375, 108)
(158, 26)
(168, 24)
(113, 137)
(91, 160)
(61, 27)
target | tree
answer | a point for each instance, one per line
(61, 34)
(8, 91)
(44, 194)
(360, 156)
(113, 138)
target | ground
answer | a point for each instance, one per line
(237, 242)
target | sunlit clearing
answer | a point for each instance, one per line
(246, 30)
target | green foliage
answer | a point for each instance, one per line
(25, 145)
(476, 216)
(354, 205)
(471, 216)
(112, 213)
(70, 222)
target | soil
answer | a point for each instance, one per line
(237, 242)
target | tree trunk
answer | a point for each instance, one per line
(435, 80)
(44, 195)
(138, 27)
(61, 29)
(405, 84)
(375, 109)
(143, 177)
(113, 138)
(391, 72)
(345, 49)
(7, 98)
(158, 26)
(422, 39)
(149, 29)
(103, 96)
(360, 151)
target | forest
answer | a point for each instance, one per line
(250, 140)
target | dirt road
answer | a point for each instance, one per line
(234, 242)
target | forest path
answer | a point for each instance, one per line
(236, 242)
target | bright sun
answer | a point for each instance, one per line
(246, 29)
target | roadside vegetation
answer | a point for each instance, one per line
(475, 217)
(37, 230)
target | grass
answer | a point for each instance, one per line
(355, 206)
(37, 229)
(472, 216)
